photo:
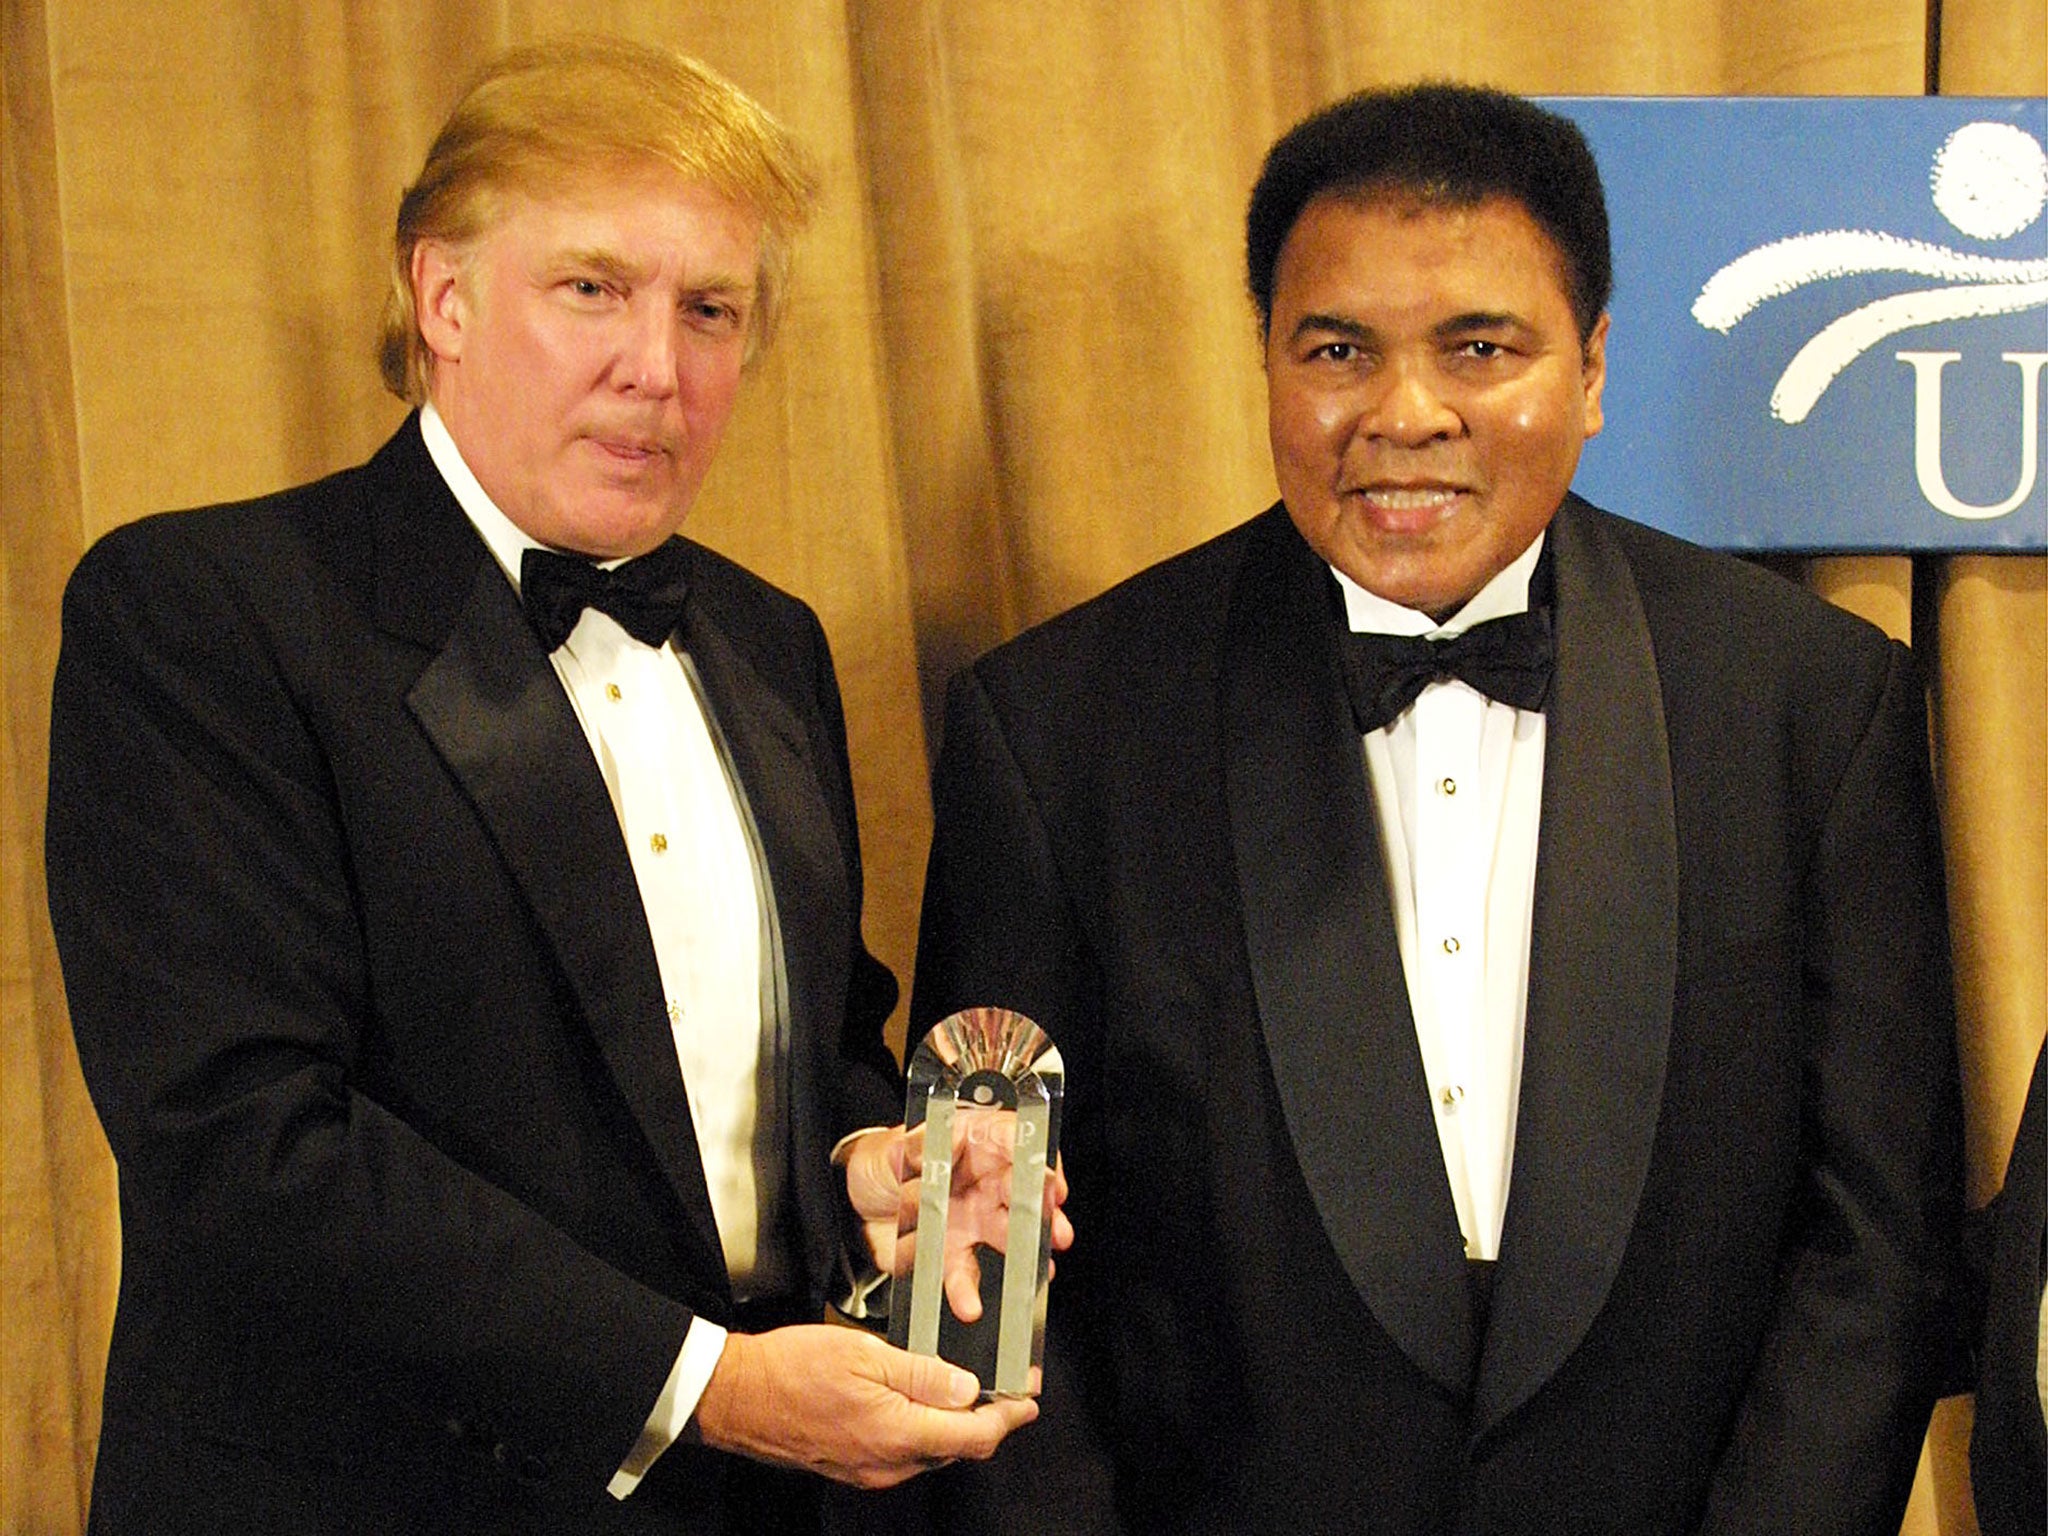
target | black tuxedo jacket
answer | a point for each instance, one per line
(2009, 1441)
(413, 1219)
(1720, 1297)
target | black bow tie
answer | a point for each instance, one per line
(1506, 659)
(645, 595)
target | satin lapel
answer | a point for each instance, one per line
(1325, 963)
(1602, 967)
(809, 904)
(496, 713)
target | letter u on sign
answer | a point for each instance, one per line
(1927, 367)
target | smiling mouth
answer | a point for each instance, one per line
(1408, 509)
(1411, 498)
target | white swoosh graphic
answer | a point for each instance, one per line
(1815, 365)
(1783, 265)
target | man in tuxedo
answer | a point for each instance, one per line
(1497, 950)
(463, 935)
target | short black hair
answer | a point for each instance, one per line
(1442, 143)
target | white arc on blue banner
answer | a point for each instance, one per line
(1987, 177)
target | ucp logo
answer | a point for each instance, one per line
(1828, 328)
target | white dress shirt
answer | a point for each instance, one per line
(687, 830)
(1457, 784)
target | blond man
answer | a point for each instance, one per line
(457, 884)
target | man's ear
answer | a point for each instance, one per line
(441, 304)
(1593, 373)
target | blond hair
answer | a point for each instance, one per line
(545, 116)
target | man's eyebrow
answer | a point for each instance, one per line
(606, 264)
(1480, 320)
(1331, 325)
(725, 286)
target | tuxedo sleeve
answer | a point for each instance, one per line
(998, 929)
(283, 1230)
(1828, 1433)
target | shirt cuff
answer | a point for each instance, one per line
(842, 1149)
(687, 1378)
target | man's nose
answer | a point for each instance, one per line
(647, 364)
(1408, 406)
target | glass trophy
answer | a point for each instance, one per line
(985, 1093)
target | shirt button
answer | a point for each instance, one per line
(658, 842)
(1451, 1096)
(1447, 786)
(1452, 946)
(613, 692)
(675, 1012)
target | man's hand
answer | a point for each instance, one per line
(841, 1403)
(882, 1184)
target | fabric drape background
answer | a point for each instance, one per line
(1018, 367)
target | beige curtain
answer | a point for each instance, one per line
(1018, 368)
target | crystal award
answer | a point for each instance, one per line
(984, 1109)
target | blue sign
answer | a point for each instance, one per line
(1830, 320)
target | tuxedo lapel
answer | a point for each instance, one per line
(1603, 965)
(808, 899)
(1325, 963)
(494, 709)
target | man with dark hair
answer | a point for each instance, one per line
(457, 886)
(1497, 950)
